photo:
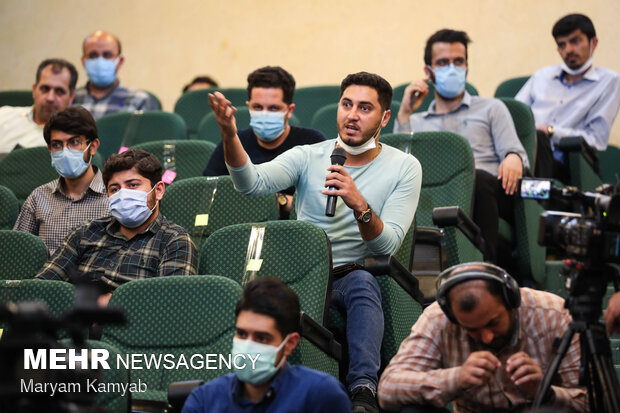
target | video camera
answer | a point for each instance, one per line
(31, 326)
(591, 235)
(589, 239)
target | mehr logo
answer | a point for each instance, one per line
(63, 359)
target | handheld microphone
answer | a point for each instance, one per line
(338, 157)
(414, 98)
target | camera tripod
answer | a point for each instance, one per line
(586, 290)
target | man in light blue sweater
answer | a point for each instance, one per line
(379, 187)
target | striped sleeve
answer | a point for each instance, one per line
(415, 375)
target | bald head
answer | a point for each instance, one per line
(101, 38)
(466, 296)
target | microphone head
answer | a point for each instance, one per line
(338, 156)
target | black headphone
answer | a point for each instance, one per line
(511, 295)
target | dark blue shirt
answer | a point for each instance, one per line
(293, 389)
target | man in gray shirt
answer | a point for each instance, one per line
(485, 123)
(55, 209)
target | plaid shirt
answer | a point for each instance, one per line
(426, 368)
(119, 99)
(52, 215)
(99, 251)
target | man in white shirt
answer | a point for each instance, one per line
(574, 98)
(52, 92)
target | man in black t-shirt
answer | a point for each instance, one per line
(270, 93)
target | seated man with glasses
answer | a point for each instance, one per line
(53, 210)
(485, 123)
(134, 241)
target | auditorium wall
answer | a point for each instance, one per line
(166, 43)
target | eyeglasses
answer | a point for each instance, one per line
(75, 144)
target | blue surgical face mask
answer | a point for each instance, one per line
(101, 71)
(264, 367)
(267, 125)
(450, 80)
(70, 163)
(130, 208)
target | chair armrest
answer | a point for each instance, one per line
(179, 391)
(454, 216)
(431, 236)
(320, 336)
(387, 264)
(578, 144)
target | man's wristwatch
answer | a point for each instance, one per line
(549, 130)
(365, 216)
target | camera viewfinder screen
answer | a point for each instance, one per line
(535, 188)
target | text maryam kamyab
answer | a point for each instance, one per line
(89, 386)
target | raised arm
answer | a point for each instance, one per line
(224, 111)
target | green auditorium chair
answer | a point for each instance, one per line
(400, 309)
(510, 87)
(177, 315)
(9, 208)
(583, 163)
(155, 99)
(192, 106)
(297, 252)
(16, 98)
(309, 99)
(610, 164)
(23, 170)
(209, 129)
(324, 119)
(114, 400)
(187, 158)
(22, 255)
(126, 129)
(447, 180)
(524, 236)
(400, 89)
(203, 205)
(237, 95)
(57, 295)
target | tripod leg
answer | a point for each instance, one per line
(545, 384)
(603, 374)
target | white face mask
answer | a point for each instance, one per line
(366, 146)
(580, 69)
